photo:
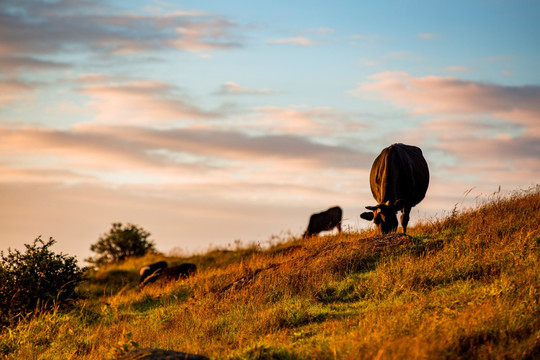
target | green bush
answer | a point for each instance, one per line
(35, 280)
(121, 243)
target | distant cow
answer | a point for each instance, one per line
(399, 180)
(179, 271)
(326, 220)
(160, 270)
(152, 272)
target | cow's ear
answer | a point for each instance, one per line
(367, 215)
(372, 208)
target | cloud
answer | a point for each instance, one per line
(134, 154)
(435, 95)
(448, 128)
(9, 65)
(477, 134)
(30, 29)
(203, 36)
(232, 88)
(302, 120)
(139, 102)
(497, 149)
(11, 91)
(302, 41)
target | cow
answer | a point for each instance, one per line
(160, 270)
(152, 272)
(399, 180)
(179, 271)
(326, 220)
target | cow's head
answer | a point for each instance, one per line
(384, 216)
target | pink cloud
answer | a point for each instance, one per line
(435, 95)
(232, 88)
(459, 127)
(140, 103)
(301, 120)
(11, 91)
(64, 26)
(119, 154)
(202, 36)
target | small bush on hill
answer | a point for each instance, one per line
(121, 243)
(37, 279)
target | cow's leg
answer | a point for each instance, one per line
(405, 217)
(339, 226)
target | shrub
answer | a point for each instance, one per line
(36, 280)
(121, 243)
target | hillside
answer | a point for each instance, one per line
(466, 286)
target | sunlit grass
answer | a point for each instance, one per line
(466, 286)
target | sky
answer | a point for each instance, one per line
(209, 122)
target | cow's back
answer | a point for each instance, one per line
(399, 172)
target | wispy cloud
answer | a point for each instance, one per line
(13, 64)
(302, 41)
(108, 151)
(481, 133)
(141, 102)
(449, 95)
(11, 91)
(232, 88)
(31, 29)
(303, 120)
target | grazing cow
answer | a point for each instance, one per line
(179, 271)
(399, 180)
(152, 272)
(160, 270)
(326, 220)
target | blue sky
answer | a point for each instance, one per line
(210, 121)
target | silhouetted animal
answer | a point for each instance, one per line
(152, 272)
(399, 180)
(160, 270)
(179, 271)
(326, 220)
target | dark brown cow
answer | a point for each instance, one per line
(152, 272)
(160, 270)
(179, 271)
(399, 180)
(323, 221)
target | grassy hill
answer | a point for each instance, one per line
(466, 286)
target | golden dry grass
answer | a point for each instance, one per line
(466, 286)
